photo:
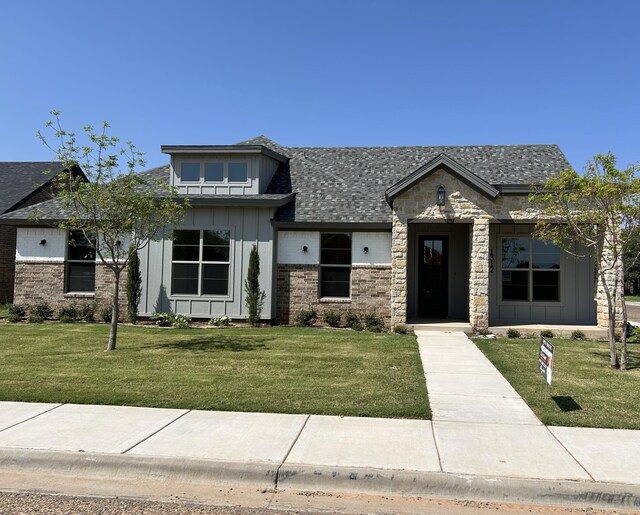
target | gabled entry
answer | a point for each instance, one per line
(433, 293)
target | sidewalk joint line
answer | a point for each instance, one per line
(570, 453)
(286, 456)
(31, 418)
(435, 442)
(156, 432)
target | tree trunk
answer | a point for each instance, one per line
(623, 339)
(612, 322)
(115, 313)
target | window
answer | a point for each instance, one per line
(81, 263)
(530, 270)
(335, 265)
(214, 171)
(200, 262)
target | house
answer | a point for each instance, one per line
(413, 233)
(22, 184)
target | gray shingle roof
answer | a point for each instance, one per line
(19, 179)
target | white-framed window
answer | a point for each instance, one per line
(214, 172)
(80, 266)
(530, 270)
(200, 262)
(335, 265)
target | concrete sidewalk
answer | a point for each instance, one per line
(483, 443)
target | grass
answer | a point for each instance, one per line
(4, 310)
(282, 370)
(632, 298)
(585, 391)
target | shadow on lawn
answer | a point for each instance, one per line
(214, 344)
(633, 358)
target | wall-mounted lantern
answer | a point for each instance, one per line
(43, 242)
(365, 250)
(305, 248)
(441, 195)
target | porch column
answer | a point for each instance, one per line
(479, 275)
(399, 252)
(613, 278)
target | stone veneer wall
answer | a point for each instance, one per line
(45, 282)
(7, 262)
(297, 288)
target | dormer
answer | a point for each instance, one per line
(222, 169)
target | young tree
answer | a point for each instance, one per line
(134, 285)
(117, 209)
(632, 262)
(599, 210)
(254, 296)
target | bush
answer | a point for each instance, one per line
(547, 333)
(578, 335)
(332, 318)
(35, 319)
(373, 322)
(16, 312)
(68, 313)
(254, 296)
(222, 321)
(513, 333)
(42, 310)
(134, 284)
(401, 329)
(351, 319)
(168, 319)
(181, 322)
(357, 326)
(88, 312)
(306, 317)
(105, 314)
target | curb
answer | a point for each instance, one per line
(320, 478)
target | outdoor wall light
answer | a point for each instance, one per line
(441, 195)
(43, 242)
(365, 250)
(305, 248)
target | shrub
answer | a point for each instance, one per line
(254, 295)
(351, 319)
(513, 333)
(181, 322)
(168, 319)
(88, 312)
(105, 314)
(68, 313)
(16, 312)
(222, 321)
(332, 318)
(134, 284)
(306, 317)
(35, 319)
(373, 322)
(578, 335)
(42, 310)
(547, 333)
(357, 326)
(401, 329)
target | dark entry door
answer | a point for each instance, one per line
(432, 277)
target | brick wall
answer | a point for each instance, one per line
(297, 287)
(45, 282)
(7, 262)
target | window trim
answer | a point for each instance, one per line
(225, 172)
(530, 270)
(321, 266)
(68, 261)
(200, 263)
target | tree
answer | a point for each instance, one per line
(599, 210)
(134, 285)
(632, 262)
(117, 210)
(254, 296)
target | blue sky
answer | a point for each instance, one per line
(325, 73)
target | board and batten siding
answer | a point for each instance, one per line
(291, 243)
(29, 249)
(260, 171)
(248, 226)
(577, 300)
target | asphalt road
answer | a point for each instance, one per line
(633, 311)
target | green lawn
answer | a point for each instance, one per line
(284, 370)
(581, 374)
(4, 312)
(632, 298)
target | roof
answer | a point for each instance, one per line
(19, 180)
(342, 185)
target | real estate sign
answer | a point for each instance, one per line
(545, 359)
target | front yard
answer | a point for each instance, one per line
(585, 391)
(281, 369)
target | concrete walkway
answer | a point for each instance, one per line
(483, 443)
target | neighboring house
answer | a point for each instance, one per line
(413, 233)
(22, 184)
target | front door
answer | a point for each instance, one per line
(432, 277)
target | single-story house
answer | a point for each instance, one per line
(412, 233)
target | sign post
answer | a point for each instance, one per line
(545, 359)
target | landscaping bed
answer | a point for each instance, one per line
(278, 369)
(585, 391)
